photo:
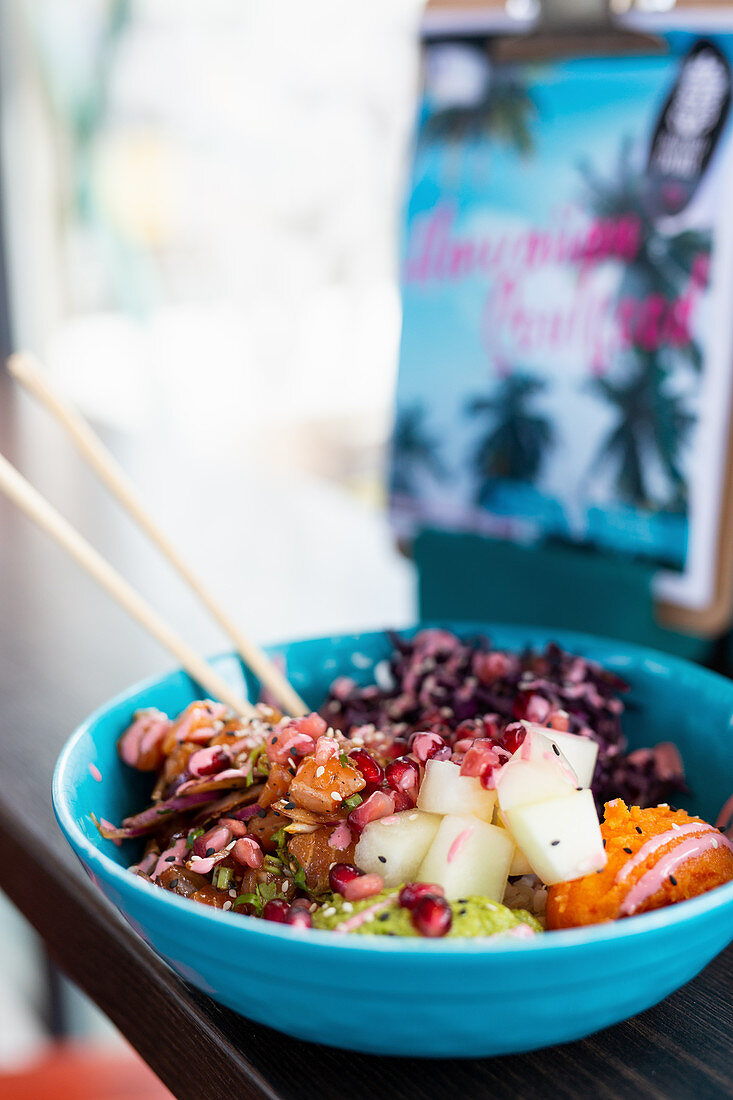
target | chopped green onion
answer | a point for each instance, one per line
(193, 835)
(299, 876)
(222, 877)
(353, 802)
(280, 837)
(273, 865)
(267, 891)
(343, 759)
(248, 899)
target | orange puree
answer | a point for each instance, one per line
(655, 856)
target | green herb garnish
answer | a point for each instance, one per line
(222, 878)
(353, 802)
(193, 835)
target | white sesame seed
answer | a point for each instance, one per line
(320, 771)
(330, 912)
(347, 907)
(714, 843)
(227, 905)
(336, 796)
(412, 817)
(232, 893)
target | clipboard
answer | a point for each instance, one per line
(571, 28)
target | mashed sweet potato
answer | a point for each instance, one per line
(656, 857)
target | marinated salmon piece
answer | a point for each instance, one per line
(315, 854)
(324, 787)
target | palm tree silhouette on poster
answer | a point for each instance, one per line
(651, 422)
(505, 114)
(414, 451)
(516, 440)
(664, 262)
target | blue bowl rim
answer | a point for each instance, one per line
(693, 910)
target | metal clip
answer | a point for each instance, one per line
(576, 28)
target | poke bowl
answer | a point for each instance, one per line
(393, 995)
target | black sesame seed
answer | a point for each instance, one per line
(629, 851)
(604, 842)
(673, 880)
(172, 884)
(555, 749)
(262, 813)
(382, 859)
(274, 740)
(289, 805)
(210, 851)
(463, 901)
(462, 912)
(579, 788)
(383, 916)
(554, 843)
(170, 859)
(638, 830)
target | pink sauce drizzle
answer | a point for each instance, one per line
(178, 851)
(649, 883)
(148, 728)
(458, 843)
(340, 838)
(361, 918)
(658, 842)
(95, 773)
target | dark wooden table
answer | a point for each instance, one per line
(63, 649)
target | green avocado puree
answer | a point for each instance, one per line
(385, 917)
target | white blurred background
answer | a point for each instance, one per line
(205, 199)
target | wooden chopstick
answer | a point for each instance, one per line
(30, 501)
(26, 370)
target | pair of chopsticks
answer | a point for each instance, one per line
(26, 370)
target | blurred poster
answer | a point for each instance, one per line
(566, 286)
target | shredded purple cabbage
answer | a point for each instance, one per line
(456, 688)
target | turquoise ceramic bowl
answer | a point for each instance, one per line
(457, 998)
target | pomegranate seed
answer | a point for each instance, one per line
(301, 918)
(276, 910)
(300, 903)
(248, 852)
(341, 874)
(212, 841)
(363, 887)
(403, 775)
(414, 892)
(402, 801)
(372, 771)
(513, 736)
(398, 748)
(426, 745)
(432, 916)
(378, 804)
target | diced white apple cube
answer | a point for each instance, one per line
(445, 791)
(395, 846)
(561, 838)
(520, 865)
(537, 771)
(580, 752)
(468, 857)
